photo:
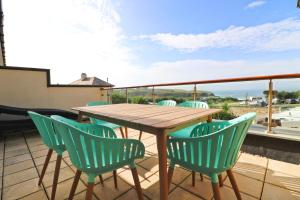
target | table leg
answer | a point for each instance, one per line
(161, 140)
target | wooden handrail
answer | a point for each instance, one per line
(225, 80)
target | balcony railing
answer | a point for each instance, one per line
(268, 78)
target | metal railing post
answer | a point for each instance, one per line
(126, 95)
(153, 97)
(195, 92)
(270, 106)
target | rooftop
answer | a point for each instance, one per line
(23, 153)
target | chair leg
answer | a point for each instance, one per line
(115, 178)
(101, 179)
(193, 178)
(201, 176)
(122, 132)
(220, 180)
(89, 191)
(48, 157)
(170, 175)
(140, 136)
(126, 132)
(216, 190)
(56, 174)
(137, 183)
(74, 185)
(234, 184)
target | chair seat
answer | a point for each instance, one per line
(183, 133)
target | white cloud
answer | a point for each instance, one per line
(69, 37)
(255, 4)
(278, 36)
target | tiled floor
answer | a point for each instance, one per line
(22, 155)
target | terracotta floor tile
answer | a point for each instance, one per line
(16, 159)
(202, 188)
(131, 194)
(16, 152)
(18, 177)
(228, 193)
(180, 174)
(64, 174)
(105, 176)
(180, 194)
(283, 174)
(247, 185)
(21, 189)
(108, 191)
(126, 175)
(40, 195)
(151, 187)
(18, 167)
(277, 193)
(150, 164)
(81, 196)
(152, 149)
(41, 160)
(38, 148)
(51, 167)
(252, 166)
(14, 148)
(63, 189)
(40, 153)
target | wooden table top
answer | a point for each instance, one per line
(148, 118)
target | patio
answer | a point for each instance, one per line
(23, 155)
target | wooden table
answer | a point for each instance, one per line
(157, 120)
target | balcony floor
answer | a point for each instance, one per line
(22, 155)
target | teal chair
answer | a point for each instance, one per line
(166, 103)
(210, 153)
(185, 132)
(53, 141)
(102, 122)
(94, 155)
(194, 104)
(93, 129)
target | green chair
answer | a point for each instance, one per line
(185, 132)
(194, 104)
(53, 141)
(96, 155)
(102, 122)
(166, 103)
(94, 130)
(210, 153)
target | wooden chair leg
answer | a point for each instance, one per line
(170, 175)
(122, 132)
(48, 157)
(56, 174)
(115, 178)
(89, 191)
(137, 183)
(234, 184)
(140, 136)
(74, 185)
(193, 178)
(201, 176)
(101, 179)
(216, 190)
(220, 180)
(126, 132)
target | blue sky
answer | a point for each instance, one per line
(139, 42)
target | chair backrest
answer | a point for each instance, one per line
(45, 128)
(91, 153)
(97, 103)
(167, 103)
(212, 153)
(93, 129)
(194, 104)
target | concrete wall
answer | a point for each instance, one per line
(30, 88)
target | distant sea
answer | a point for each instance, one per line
(240, 94)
